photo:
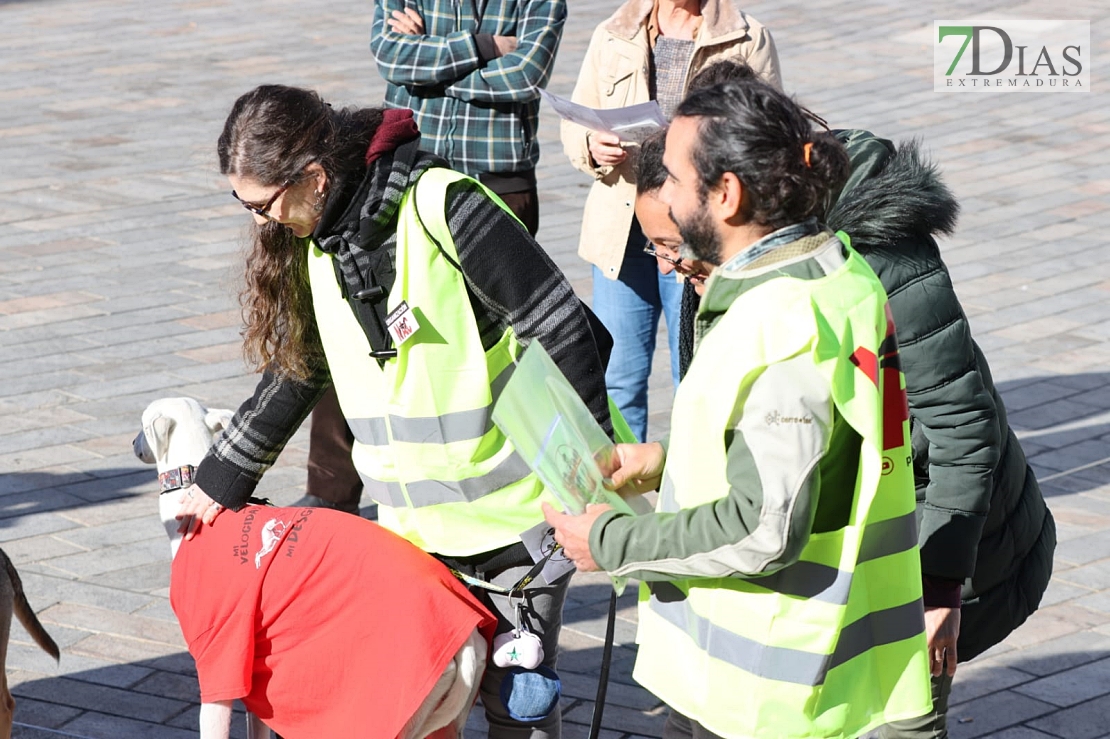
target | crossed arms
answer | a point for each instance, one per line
(417, 47)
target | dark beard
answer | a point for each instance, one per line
(702, 240)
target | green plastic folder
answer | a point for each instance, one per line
(555, 433)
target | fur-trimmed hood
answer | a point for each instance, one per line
(892, 193)
(981, 516)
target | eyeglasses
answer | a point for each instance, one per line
(650, 249)
(264, 211)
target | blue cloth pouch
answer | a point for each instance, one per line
(530, 695)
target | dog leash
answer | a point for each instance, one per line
(520, 584)
(610, 627)
(603, 674)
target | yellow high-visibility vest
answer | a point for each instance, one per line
(445, 476)
(834, 644)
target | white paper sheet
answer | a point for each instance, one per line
(632, 123)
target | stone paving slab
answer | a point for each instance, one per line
(120, 253)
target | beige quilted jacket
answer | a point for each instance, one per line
(615, 74)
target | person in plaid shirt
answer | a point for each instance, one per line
(471, 73)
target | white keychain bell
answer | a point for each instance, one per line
(519, 647)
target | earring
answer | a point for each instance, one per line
(318, 205)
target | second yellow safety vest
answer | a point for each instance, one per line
(832, 645)
(445, 476)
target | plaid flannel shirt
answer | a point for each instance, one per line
(480, 115)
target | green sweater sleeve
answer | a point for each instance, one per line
(773, 471)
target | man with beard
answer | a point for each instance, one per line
(985, 533)
(782, 591)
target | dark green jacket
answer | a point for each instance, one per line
(981, 514)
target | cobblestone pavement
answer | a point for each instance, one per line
(118, 273)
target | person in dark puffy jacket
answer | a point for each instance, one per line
(986, 536)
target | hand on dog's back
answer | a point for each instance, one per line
(197, 509)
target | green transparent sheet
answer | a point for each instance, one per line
(555, 433)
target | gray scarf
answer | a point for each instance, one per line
(358, 228)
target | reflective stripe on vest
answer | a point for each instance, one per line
(812, 579)
(425, 446)
(444, 429)
(437, 492)
(832, 645)
(792, 665)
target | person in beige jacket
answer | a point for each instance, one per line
(647, 50)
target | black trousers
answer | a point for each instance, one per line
(526, 206)
(331, 474)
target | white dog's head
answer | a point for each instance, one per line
(177, 433)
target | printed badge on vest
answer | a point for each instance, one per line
(401, 323)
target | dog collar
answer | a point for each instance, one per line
(177, 478)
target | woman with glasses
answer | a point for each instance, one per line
(413, 289)
(647, 50)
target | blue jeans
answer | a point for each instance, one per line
(630, 307)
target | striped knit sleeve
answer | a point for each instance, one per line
(515, 283)
(258, 432)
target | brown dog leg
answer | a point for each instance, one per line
(12, 601)
(7, 603)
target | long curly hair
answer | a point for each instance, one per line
(271, 134)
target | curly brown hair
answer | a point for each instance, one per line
(279, 328)
(271, 135)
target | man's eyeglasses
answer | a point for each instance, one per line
(650, 249)
(264, 211)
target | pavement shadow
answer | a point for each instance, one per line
(156, 698)
(1057, 692)
(25, 493)
(1063, 423)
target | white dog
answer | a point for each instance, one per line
(296, 573)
